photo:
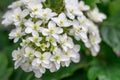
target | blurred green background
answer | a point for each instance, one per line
(106, 66)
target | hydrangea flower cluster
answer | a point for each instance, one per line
(46, 36)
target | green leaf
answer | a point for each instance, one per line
(4, 41)
(62, 73)
(105, 66)
(114, 6)
(111, 32)
(4, 71)
(104, 71)
(3, 61)
(7, 74)
(5, 3)
(19, 74)
(78, 75)
(92, 3)
(97, 71)
(105, 1)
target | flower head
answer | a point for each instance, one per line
(47, 37)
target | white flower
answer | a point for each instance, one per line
(46, 14)
(76, 56)
(84, 21)
(18, 57)
(16, 34)
(52, 30)
(18, 15)
(35, 39)
(40, 63)
(61, 20)
(52, 40)
(58, 57)
(72, 9)
(66, 42)
(95, 40)
(29, 52)
(73, 3)
(93, 28)
(15, 4)
(94, 50)
(34, 8)
(25, 42)
(42, 58)
(38, 73)
(79, 31)
(38, 68)
(27, 65)
(72, 55)
(7, 19)
(32, 27)
(93, 32)
(28, 1)
(53, 67)
(83, 7)
(96, 16)
(68, 55)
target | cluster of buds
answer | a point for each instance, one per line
(47, 37)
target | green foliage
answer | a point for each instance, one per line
(4, 71)
(105, 66)
(101, 71)
(111, 32)
(62, 73)
(52, 4)
(4, 4)
(92, 3)
(114, 6)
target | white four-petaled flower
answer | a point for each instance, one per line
(16, 34)
(96, 16)
(61, 20)
(52, 30)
